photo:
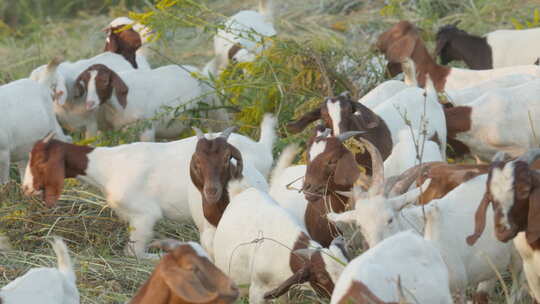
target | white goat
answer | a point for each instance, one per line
(28, 116)
(411, 149)
(140, 95)
(45, 285)
(253, 244)
(449, 220)
(503, 119)
(382, 92)
(402, 267)
(242, 37)
(71, 112)
(142, 181)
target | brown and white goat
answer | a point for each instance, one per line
(125, 42)
(513, 189)
(214, 163)
(185, 275)
(402, 41)
(353, 116)
(331, 168)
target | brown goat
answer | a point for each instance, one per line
(185, 275)
(456, 44)
(402, 41)
(211, 170)
(353, 116)
(125, 42)
(331, 167)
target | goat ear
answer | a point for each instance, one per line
(479, 220)
(393, 68)
(346, 170)
(401, 48)
(236, 173)
(55, 180)
(368, 119)
(301, 124)
(533, 220)
(301, 276)
(233, 50)
(120, 89)
(186, 285)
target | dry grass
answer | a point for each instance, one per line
(93, 233)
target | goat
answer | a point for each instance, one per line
(139, 95)
(24, 102)
(512, 187)
(70, 111)
(185, 275)
(382, 92)
(495, 121)
(129, 42)
(421, 273)
(242, 36)
(382, 123)
(380, 212)
(411, 149)
(213, 164)
(45, 285)
(123, 172)
(497, 49)
(402, 41)
(255, 237)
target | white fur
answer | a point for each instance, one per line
(149, 91)
(334, 111)
(248, 28)
(264, 265)
(514, 47)
(142, 188)
(382, 92)
(504, 120)
(316, 149)
(419, 265)
(502, 189)
(45, 285)
(531, 263)
(28, 116)
(405, 155)
(449, 221)
(72, 114)
(409, 104)
(465, 78)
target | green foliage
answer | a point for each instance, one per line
(524, 24)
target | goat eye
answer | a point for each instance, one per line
(390, 220)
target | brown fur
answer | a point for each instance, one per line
(377, 130)
(458, 119)
(182, 277)
(403, 41)
(125, 43)
(106, 81)
(54, 161)
(233, 50)
(445, 177)
(210, 170)
(305, 269)
(359, 293)
(333, 170)
(481, 297)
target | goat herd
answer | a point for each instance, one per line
(377, 164)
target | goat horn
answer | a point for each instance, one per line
(530, 156)
(346, 135)
(397, 186)
(48, 137)
(499, 157)
(348, 194)
(377, 181)
(198, 132)
(227, 132)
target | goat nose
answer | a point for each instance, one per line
(90, 105)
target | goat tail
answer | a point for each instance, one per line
(266, 8)
(268, 132)
(284, 161)
(65, 266)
